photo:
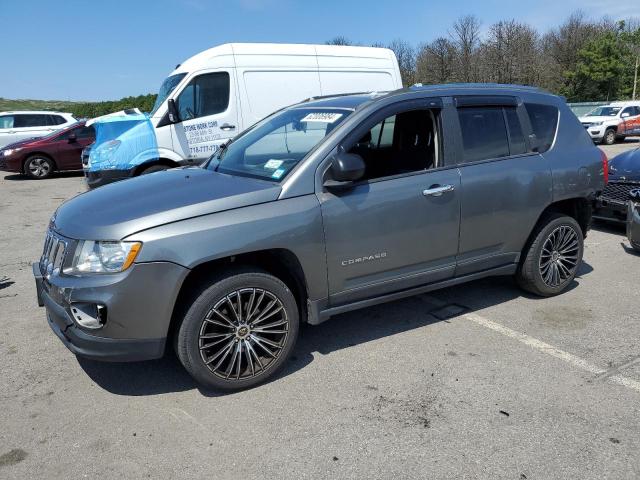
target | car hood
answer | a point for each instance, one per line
(117, 210)
(625, 166)
(597, 119)
(22, 143)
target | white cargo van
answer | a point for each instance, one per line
(217, 93)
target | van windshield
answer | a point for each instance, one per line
(604, 112)
(169, 84)
(274, 146)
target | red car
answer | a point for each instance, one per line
(39, 157)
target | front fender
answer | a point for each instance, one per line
(291, 224)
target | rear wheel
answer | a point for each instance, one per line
(552, 259)
(38, 167)
(609, 137)
(239, 330)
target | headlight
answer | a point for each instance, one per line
(103, 257)
(104, 152)
(596, 124)
(10, 151)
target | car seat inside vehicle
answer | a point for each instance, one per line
(403, 143)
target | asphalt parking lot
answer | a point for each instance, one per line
(475, 381)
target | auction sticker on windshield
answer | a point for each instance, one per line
(272, 164)
(323, 117)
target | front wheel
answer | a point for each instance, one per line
(551, 261)
(239, 330)
(609, 137)
(38, 167)
(154, 168)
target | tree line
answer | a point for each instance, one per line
(582, 59)
(96, 109)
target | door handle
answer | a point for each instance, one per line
(226, 127)
(437, 190)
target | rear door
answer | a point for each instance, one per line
(505, 185)
(30, 125)
(209, 115)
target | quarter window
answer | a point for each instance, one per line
(206, 94)
(544, 121)
(484, 133)
(55, 120)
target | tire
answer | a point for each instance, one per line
(609, 137)
(558, 237)
(154, 168)
(38, 167)
(273, 327)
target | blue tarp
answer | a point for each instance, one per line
(123, 141)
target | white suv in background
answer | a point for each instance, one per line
(16, 126)
(613, 122)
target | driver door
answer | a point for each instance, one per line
(208, 114)
(398, 227)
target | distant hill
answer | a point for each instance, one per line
(81, 109)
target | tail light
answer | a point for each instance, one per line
(605, 167)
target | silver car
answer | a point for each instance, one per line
(326, 206)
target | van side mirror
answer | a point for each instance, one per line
(345, 169)
(174, 115)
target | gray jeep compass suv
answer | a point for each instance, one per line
(326, 206)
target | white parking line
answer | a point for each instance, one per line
(552, 351)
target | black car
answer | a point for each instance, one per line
(624, 176)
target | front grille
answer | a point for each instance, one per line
(53, 254)
(618, 192)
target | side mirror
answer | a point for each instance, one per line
(174, 115)
(625, 115)
(345, 169)
(72, 138)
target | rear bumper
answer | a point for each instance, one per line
(139, 306)
(610, 211)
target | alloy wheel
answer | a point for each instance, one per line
(559, 256)
(39, 167)
(243, 334)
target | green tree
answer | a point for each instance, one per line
(603, 63)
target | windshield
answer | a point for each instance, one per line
(166, 88)
(604, 112)
(273, 147)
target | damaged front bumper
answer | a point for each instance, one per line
(138, 304)
(633, 224)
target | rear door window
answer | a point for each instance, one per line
(484, 133)
(544, 121)
(27, 120)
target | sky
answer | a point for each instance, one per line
(105, 50)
